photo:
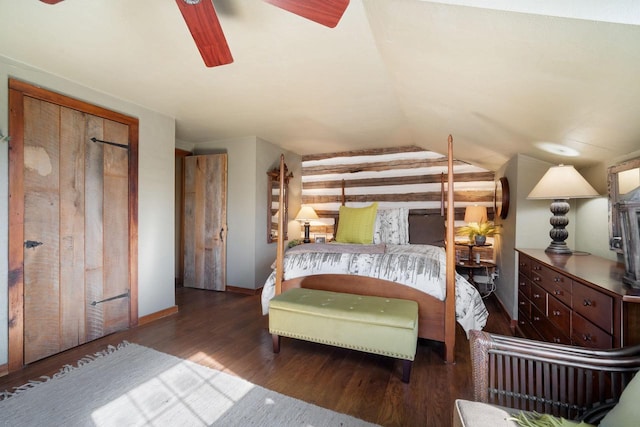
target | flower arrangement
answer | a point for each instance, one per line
(483, 230)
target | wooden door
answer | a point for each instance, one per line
(205, 221)
(73, 253)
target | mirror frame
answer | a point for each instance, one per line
(273, 184)
(615, 229)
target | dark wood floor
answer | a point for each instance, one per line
(227, 331)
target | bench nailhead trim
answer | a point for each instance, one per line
(341, 344)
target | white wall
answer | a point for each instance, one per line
(592, 216)
(155, 197)
(504, 242)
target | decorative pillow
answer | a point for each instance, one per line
(355, 225)
(392, 226)
(427, 230)
(627, 411)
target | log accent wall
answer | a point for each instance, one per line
(394, 177)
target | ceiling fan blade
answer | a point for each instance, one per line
(50, 1)
(206, 31)
(325, 12)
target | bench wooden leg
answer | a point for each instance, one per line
(406, 371)
(276, 343)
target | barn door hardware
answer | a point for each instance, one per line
(125, 295)
(30, 244)
(115, 144)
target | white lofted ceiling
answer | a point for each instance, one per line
(500, 78)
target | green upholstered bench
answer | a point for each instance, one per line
(385, 326)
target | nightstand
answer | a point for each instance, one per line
(484, 269)
(471, 245)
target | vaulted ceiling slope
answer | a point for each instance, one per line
(392, 73)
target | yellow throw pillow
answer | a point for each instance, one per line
(356, 224)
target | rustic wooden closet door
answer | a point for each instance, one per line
(205, 221)
(76, 250)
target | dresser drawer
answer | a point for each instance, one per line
(524, 265)
(524, 307)
(593, 305)
(553, 282)
(524, 285)
(527, 331)
(559, 314)
(539, 298)
(537, 318)
(586, 334)
(547, 330)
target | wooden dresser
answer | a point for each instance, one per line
(575, 299)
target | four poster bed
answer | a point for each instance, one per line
(390, 267)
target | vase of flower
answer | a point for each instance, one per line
(480, 240)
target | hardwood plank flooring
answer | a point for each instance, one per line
(226, 331)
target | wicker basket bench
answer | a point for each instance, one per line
(386, 326)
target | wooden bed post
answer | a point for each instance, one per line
(442, 180)
(280, 242)
(450, 301)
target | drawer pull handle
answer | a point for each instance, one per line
(556, 312)
(523, 284)
(586, 337)
(536, 295)
(537, 268)
(586, 302)
(536, 279)
(522, 303)
(536, 318)
(557, 279)
(557, 340)
(557, 292)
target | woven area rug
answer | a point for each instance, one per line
(132, 385)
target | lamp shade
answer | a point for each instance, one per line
(562, 182)
(306, 213)
(476, 214)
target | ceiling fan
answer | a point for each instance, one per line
(202, 21)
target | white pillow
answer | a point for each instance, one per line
(392, 226)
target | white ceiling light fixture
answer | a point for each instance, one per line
(561, 150)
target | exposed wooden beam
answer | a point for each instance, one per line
(400, 180)
(377, 166)
(369, 152)
(460, 196)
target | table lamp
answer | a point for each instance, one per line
(306, 214)
(475, 213)
(559, 184)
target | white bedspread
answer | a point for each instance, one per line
(422, 267)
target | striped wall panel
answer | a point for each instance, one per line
(402, 177)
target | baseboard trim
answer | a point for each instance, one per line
(513, 323)
(157, 315)
(244, 291)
